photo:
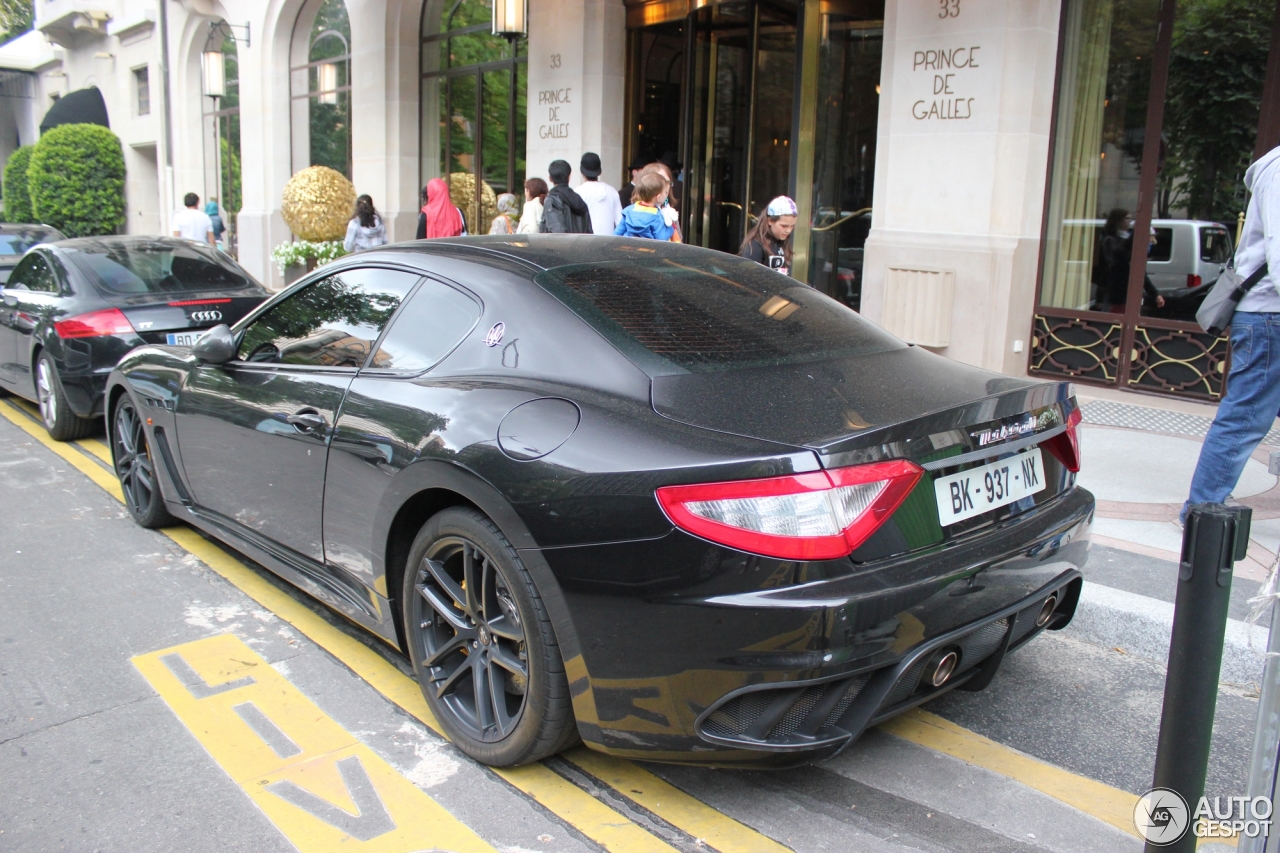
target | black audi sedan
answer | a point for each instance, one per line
(652, 496)
(71, 309)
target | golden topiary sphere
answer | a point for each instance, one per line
(318, 204)
(462, 190)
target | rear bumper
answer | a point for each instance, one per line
(85, 391)
(698, 654)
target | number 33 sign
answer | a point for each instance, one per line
(949, 8)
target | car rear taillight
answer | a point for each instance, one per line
(1194, 280)
(185, 302)
(108, 321)
(1066, 445)
(820, 516)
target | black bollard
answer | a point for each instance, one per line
(1215, 536)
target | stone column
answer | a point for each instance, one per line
(577, 55)
(961, 162)
(265, 164)
(384, 108)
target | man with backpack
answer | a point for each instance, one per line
(564, 211)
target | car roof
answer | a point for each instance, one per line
(25, 228)
(547, 251)
(126, 240)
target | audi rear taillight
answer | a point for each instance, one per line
(182, 303)
(820, 516)
(1066, 445)
(108, 321)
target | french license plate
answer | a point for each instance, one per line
(184, 339)
(985, 488)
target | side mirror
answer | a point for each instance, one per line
(216, 346)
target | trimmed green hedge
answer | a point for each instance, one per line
(76, 180)
(17, 201)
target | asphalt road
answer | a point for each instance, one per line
(158, 693)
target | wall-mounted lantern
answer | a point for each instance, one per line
(511, 19)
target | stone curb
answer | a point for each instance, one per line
(1142, 626)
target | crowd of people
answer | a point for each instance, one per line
(647, 207)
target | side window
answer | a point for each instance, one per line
(33, 273)
(330, 323)
(436, 319)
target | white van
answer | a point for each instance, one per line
(1187, 253)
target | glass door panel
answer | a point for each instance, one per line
(461, 145)
(844, 165)
(496, 164)
(1102, 113)
(772, 116)
(1210, 126)
(729, 143)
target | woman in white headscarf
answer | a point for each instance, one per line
(508, 215)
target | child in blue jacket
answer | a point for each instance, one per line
(646, 216)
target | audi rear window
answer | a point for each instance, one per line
(705, 315)
(156, 268)
(15, 243)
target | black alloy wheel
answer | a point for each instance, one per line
(136, 468)
(482, 644)
(62, 423)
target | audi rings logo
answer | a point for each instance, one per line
(206, 316)
(1161, 816)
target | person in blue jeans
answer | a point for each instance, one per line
(1248, 410)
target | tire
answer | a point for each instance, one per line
(463, 646)
(136, 468)
(62, 423)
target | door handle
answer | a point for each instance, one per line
(307, 420)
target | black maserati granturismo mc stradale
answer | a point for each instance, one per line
(661, 499)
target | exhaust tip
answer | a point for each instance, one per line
(941, 669)
(1046, 611)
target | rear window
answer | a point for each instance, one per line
(721, 313)
(1163, 248)
(157, 268)
(14, 244)
(1215, 245)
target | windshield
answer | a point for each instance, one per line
(717, 313)
(14, 244)
(156, 267)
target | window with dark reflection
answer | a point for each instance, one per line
(436, 319)
(331, 323)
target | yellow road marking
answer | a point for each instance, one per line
(327, 791)
(592, 818)
(599, 822)
(92, 470)
(1108, 804)
(674, 806)
(98, 448)
(602, 824)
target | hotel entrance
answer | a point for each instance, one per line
(761, 99)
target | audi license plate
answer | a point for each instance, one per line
(184, 339)
(989, 486)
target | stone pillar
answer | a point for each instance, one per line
(577, 58)
(384, 108)
(961, 163)
(265, 164)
